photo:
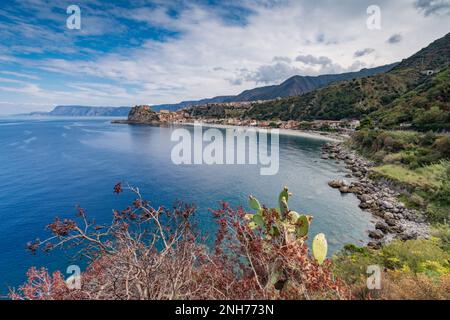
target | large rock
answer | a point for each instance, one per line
(143, 114)
(382, 226)
(336, 184)
(358, 174)
(411, 235)
(388, 216)
(365, 198)
(374, 245)
(391, 222)
(364, 205)
(386, 205)
(376, 234)
(344, 189)
(398, 228)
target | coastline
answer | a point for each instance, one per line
(285, 132)
(379, 198)
(318, 135)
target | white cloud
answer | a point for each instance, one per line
(363, 52)
(312, 60)
(212, 57)
(433, 6)
(395, 38)
(271, 73)
(20, 75)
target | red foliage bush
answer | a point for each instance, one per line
(149, 253)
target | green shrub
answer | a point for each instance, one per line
(442, 145)
(419, 256)
(394, 158)
(428, 139)
(437, 212)
(442, 232)
(428, 257)
(417, 201)
(351, 263)
(433, 116)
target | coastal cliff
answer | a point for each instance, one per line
(146, 115)
(141, 115)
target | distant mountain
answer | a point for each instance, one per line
(358, 98)
(294, 86)
(85, 111)
(299, 85)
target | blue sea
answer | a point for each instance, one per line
(48, 166)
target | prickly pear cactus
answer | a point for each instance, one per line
(284, 208)
(302, 226)
(293, 217)
(259, 220)
(254, 203)
(284, 194)
(291, 226)
(283, 199)
(320, 248)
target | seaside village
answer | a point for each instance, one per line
(185, 116)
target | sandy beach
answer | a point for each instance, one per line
(286, 132)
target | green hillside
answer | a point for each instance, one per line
(405, 113)
(348, 99)
(360, 97)
(424, 108)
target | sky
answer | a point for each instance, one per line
(166, 51)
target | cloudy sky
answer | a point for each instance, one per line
(166, 51)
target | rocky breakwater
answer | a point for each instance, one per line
(394, 220)
(141, 115)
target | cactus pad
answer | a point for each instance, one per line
(320, 248)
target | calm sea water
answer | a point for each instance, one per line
(48, 166)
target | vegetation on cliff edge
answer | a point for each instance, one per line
(157, 253)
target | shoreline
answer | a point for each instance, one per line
(377, 197)
(285, 132)
(318, 135)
